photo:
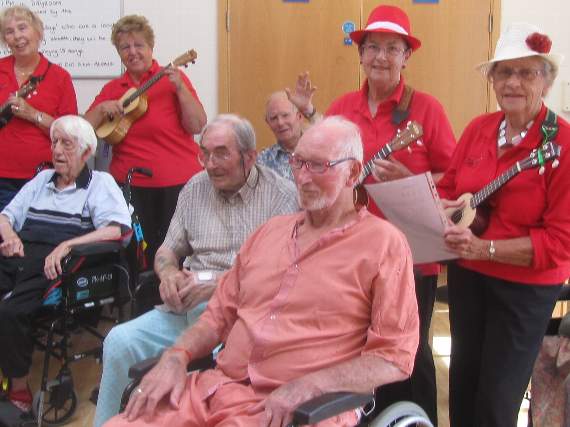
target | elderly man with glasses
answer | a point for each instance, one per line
(216, 211)
(312, 305)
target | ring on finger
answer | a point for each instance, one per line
(138, 390)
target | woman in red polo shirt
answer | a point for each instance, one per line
(25, 120)
(503, 289)
(385, 45)
(162, 139)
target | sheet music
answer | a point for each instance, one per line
(412, 204)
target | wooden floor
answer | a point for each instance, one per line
(86, 373)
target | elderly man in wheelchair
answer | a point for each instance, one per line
(316, 302)
(57, 210)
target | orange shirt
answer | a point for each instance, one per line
(284, 313)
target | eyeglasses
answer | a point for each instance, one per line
(526, 74)
(315, 167)
(216, 156)
(373, 50)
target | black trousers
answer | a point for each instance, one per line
(421, 386)
(154, 207)
(24, 278)
(497, 328)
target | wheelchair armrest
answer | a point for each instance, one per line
(328, 405)
(139, 370)
(95, 248)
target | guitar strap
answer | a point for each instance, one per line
(549, 128)
(402, 110)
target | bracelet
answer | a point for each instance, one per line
(491, 250)
(311, 114)
(186, 352)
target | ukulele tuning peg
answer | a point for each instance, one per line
(419, 142)
(541, 170)
(555, 163)
(29, 96)
(35, 92)
(409, 149)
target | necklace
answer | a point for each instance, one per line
(502, 138)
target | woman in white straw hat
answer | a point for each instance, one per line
(503, 288)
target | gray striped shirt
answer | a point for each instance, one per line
(212, 228)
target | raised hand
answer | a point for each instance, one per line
(302, 96)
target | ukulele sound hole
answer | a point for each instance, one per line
(456, 216)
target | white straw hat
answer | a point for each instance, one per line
(521, 40)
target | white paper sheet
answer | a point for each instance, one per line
(412, 204)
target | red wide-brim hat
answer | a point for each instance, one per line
(388, 19)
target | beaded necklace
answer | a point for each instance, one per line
(502, 138)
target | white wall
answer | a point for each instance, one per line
(551, 16)
(179, 25)
(183, 24)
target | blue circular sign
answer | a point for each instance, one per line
(348, 27)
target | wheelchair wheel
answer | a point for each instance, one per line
(59, 404)
(402, 414)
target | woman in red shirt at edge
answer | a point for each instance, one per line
(384, 46)
(503, 288)
(162, 139)
(24, 137)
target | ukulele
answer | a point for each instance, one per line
(135, 103)
(402, 139)
(26, 90)
(477, 219)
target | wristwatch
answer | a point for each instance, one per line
(39, 118)
(491, 250)
(310, 115)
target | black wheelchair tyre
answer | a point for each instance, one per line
(402, 414)
(59, 406)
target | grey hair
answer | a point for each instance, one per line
(77, 129)
(350, 142)
(276, 95)
(21, 12)
(240, 127)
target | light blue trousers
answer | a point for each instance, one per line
(129, 343)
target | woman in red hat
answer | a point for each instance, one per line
(384, 46)
(503, 288)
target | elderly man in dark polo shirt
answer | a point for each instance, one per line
(58, 209)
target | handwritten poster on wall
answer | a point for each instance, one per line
(77, 34)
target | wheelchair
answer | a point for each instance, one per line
(91, 279)
(400, 414)
(95, 276)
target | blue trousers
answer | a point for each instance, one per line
(131, 342)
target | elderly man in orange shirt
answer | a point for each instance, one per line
(319, 301)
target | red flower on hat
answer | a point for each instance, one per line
(540, 43)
